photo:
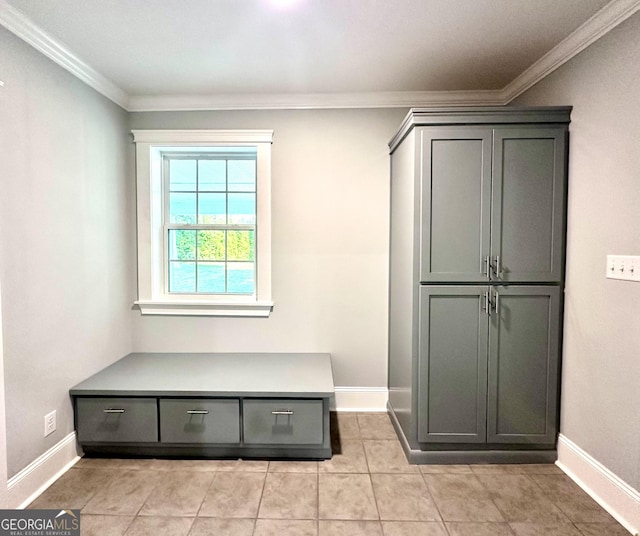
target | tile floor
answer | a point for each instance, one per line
(367, 489)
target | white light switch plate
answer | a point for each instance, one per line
(625, 267)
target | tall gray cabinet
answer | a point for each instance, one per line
(478, 202)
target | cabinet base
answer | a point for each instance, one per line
(148, 451)
(469, 455)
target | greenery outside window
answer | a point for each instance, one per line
(204, 222)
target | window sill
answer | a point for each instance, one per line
(203, 308)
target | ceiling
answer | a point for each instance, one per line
(281, 50)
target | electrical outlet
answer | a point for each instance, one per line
(50, 423)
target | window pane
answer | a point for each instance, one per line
(240, 245)
(211, 277)
(242, 175)
(240, 277)
(212, 208)
(182, 245)
(242, 208)
(182, 276)
(182, 175)
(210, 246)
(182, 208)
(212, 175)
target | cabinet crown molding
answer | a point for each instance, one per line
(486, 115)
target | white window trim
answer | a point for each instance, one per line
(152, 296)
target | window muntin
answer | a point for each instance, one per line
(210, 221)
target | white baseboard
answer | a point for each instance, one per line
(608, 490)
(24, 487)
(361, 399)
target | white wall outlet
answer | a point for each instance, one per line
(50, 423)
(625, 267)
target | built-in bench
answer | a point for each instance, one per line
(207, 405)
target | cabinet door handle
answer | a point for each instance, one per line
(282, 412)
(486, 307)
(487, 269)
(498, 267)
(197, 412)
(113, 410)
(496, 304)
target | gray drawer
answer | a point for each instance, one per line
(199, 420)
(117, 420)
(283, 422)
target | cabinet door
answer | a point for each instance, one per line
(117, 420)
(527, 238)
(456, 197)
(524, 343)
(187, 420)
(283, 421)
(452, 386)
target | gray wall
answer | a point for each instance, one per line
(601, 375)
(66, 242)
(330, 235)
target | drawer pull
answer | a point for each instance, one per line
(282, 412)
(197, 412)
(113, 411)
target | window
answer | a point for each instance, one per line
(210, 221)
(204, 222)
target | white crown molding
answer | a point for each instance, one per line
(382, 99)
(601, 23)
(17, 22)
(598, 25)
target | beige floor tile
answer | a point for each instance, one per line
(413, 528)
(346, 496)
(571, 499)
(350, 459)
(602, 529)
(520, 499)
(461, 497)
(478, 529)
(367, 488)
(211, 526)
(541, 529)
(350, 528)
(430, 469)
(498, 469)
(542, 469)
(186, 465)
(116, 463)
(233, 495)
(289, 496)
(154, 526)
(293, 467)
(125, 493)
(376, 426)
(344, 426)
(179, 493)
(98, 525)
(243, 466)
(74, 489)
(403, 498)
(386, 456)
(285, 527)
